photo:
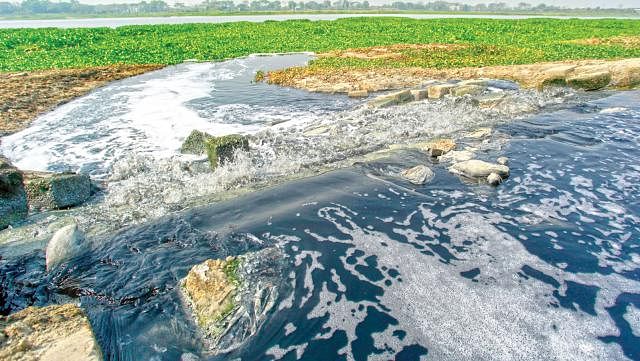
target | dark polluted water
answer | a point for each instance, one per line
(544, 267)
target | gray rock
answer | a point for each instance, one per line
(503, 160)
(494, 179)
(475, 168)
(390, 99)
(65, 244)
(590, 81)
(56, 190)
(13, 198)
(418, 175)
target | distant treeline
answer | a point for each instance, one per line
(35, 7)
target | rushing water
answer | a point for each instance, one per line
(545, 266)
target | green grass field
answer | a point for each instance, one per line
(487, 42)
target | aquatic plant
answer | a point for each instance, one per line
(486, 42)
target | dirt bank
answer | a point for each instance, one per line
(25, 95)
(623, 74)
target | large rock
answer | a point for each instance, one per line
(456, 156)
(418, 175)
(390, 99)
(469, 89)
(65, 244)
(590, 81)
(56, 190)
(439, 91)
(13, 198)
(222, 149)
(195, 143)
(229, 299)
(52, 333)
(475, 168)
(438, 147)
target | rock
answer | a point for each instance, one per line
(65, 244)
(503, 160)
(13, 198)
(494, 179)
(419, 174)
(467, 90)
(439, 91)
(479, 133)
(590, 81)
(188, 356)
(229, 299)
(52, 333)
(438, 147)
(222, 149)
(394, 98)
(195, 143)
(489, 100)
(475, 168)
(358, 94)
(419, 94)
(56, 190)
(457, 156)
(478, 82)
(554, 76)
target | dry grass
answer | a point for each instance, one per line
(627, 42)
(25, 95)
(395, 51)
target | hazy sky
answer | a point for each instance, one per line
(568, 3)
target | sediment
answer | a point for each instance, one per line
(25, 95)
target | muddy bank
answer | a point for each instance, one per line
(25, 95)
(618, 74)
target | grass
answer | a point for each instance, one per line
(488, 42)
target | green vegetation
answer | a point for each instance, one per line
(488, 42)
(231, 270)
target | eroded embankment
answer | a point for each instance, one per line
(25, 95)
(617, 74)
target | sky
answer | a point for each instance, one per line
(567, 3)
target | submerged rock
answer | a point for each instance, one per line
(590, 81)
(502, 160)
(490, 100)
(57, 332)
(13, 198)
(457, 156)
(479, 133)
(475, 168)
(56, 190)
(222, 149)
(195, 143)
(66, 243)
(469, 89)
(419, 174)
(229, 299)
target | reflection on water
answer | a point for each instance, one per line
(546, 266)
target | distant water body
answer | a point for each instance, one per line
(116, 22)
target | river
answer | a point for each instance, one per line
(544, 266)
(116, 22)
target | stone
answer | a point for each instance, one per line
(52, 333)
(419, 94)
(457, 156)
(222, 149)
(358, 94)
(503, 160)
(438, 147)
(479, 82)
(439, 91)
(195, 143)
(590, 81)
(494, 179)
(463, 90)
(65, 244)
(475, 168)
(479, 133)
(390, 99)
(13, 198)
(418, 175)
(556, 75)
(230, 298)
(489, 100)
(46, 191)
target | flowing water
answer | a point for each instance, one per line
(545, 266)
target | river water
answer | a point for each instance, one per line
(545, 266)
(116, 22)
